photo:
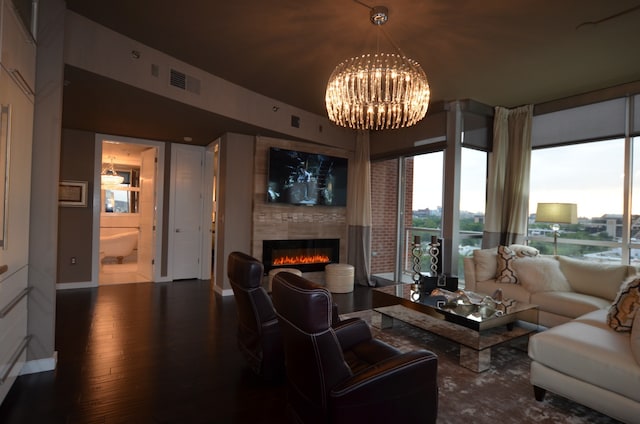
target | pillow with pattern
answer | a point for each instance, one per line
(635, 338)
(505, 272)
(625, 306)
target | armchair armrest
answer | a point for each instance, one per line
(396, 386)
(352, 331)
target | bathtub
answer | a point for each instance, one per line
(118, 245)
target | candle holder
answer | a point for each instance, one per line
(434, 251)
(416, 252)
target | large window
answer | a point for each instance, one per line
(411, 195)
(423, 176)
(592, 176)
(473, 198)
(634, 227)
(406, 195)
(416, 184)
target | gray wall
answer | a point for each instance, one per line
(235, 202)
(75, 224)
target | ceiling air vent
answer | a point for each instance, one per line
(178, 79)
(184, 82)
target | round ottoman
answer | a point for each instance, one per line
(274, 271)
(339, 278)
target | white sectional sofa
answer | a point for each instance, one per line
(586, 361)
(580, 357)
(563, 288)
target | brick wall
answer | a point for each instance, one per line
(384, 198)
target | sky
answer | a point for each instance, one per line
(591, 176)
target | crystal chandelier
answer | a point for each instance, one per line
(110, 177)
(377, 91)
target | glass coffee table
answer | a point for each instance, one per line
(475, 322)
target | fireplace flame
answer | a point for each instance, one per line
(301, 259)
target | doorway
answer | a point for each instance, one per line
(212, 168)
(125, 210)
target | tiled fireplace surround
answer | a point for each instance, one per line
(284, 222)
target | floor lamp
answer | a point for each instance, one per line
(556, 214)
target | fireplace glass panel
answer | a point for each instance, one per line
(306, 255)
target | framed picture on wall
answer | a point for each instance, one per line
(72, 193)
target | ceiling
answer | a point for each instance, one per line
(497, 52)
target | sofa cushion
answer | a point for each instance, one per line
(485, 263)
(505, 273)
(596, 279)
(625, 306)
(568, 304)
(588, 350)
(635, 338)
(540, 274)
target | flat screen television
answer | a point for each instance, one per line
(301, 178)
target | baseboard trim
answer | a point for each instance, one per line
(223, 292)
(79, 285)
(40, 365)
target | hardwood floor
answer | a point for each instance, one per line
(150, 353)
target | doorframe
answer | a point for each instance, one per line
(97, 203)
(211, 177)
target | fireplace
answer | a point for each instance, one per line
(307, 255)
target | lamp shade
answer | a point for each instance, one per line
(557, 213)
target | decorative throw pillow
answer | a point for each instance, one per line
(539, 274)
(635, 338)
(625, 306)
(485, 263)
(505, 273)
(524, 251)
(593, 278)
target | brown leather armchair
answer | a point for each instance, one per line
(340, 373)
(259, 336)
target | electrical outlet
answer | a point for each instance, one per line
(73, 260)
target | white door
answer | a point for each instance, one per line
(186, 170)
(147, 204)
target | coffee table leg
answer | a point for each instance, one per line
(475, 360)
(381, 321)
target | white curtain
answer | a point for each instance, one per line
(359, 213)
(508, 181)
